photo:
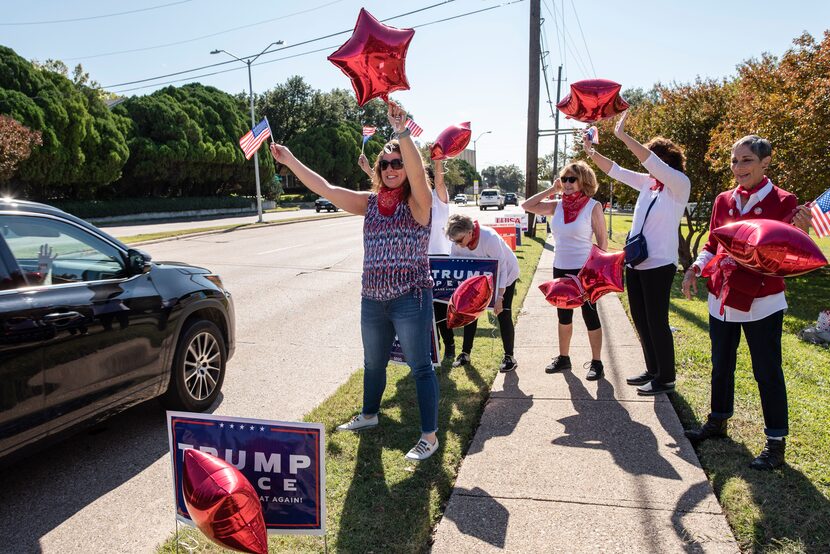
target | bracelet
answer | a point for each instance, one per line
(403, 134)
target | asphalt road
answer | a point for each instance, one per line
(297, 290)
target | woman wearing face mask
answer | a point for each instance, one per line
(663, 195)
(741, 299)
(396, 283)
(574, 220)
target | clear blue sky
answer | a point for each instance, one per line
(468, 69)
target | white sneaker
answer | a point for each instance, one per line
(359, 422)
(422, 450)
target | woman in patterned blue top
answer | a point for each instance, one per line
(396, 284)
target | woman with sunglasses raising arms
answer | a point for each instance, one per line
(396, 284)
(574, 220)
(663, 195)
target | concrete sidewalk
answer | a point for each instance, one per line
(561, 464)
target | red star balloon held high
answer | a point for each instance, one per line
(223, 504)
(451, 142)
(593, 99)
(374, 58)
(602, 273)
(469, 300)
(770, 247)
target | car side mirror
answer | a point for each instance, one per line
(138, 261)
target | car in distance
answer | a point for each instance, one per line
(491, 198)
(90, 327)
(460, 199)
(322, 204)
(511, 198)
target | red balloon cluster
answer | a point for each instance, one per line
(469, 300)
(451, 142)
(770, 247)
(223, 504)
(601, 274)
(374, 58)
(593, 99)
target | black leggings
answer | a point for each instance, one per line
(505, 318)
(589, 311)
(648, 298)
(440, 309)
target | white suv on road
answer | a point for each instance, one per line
(491, 198)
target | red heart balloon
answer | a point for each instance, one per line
(469, 300)
(564, 292)
(770, 247)
(451, 142)
(222, 503)
(602, 273)
(374, 58)
(593, 99)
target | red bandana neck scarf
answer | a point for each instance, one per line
(746, 193)
(658, 186)
(388, 200)
(573, 204)
(473, 244)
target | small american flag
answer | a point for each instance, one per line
(251, 141)
(821, 214)
(414, 128)
(368, 131)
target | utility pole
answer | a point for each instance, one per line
(534, 60)
(556, 123)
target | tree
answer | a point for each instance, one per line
(16, 144)
(332, 152)
(508, 178)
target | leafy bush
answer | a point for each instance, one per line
(133, 206)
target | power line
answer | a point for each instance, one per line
(585, 42)
(21, 23)
(194, 39)
(570, 44)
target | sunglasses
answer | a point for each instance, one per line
(397, 163)
(459, 240)
(569, 179)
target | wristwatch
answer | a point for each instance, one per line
(403, 134)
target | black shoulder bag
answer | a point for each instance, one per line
(636, 248)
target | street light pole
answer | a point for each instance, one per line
(248, 61)
(475, 156)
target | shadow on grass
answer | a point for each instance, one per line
(792, 515)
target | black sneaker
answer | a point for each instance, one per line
(508, 364)
(713, 428)
(595, 370)
(640, 379)
(653, 388)
(559, 363)
(462, 359)
(771, 457)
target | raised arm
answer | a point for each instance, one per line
(539, 203)
(602, 162)
(345, 199)
(363, 163)
(421, 199)
(440, 185)
(598, 226)
(636, 148)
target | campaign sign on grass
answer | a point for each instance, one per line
(284, 461)
(519, 219)
(449, 272)
(397, 352)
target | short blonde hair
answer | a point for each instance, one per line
(587, 177)
(458, 224)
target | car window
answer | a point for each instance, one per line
(50, 251)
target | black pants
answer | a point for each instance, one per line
(589, 311)
(505, 318)
(648, 297)
(440, 309)
(763, 337)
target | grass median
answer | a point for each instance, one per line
(376, 500)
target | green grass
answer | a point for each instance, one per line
(786, 510)
(376, 500)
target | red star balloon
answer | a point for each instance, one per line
(469, 300)
(593, 99)
(374, 58)
(223, 504)
(564, 292)
(451, 142)
(770, 247)
(602, 273)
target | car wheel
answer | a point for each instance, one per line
(317, 210)
(198, 368)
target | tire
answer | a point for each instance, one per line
(481, 208)
(317, 210)
(199, 345)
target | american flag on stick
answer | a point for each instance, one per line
(821, 214)
(368, 131)
(414, 128)
(251, 141)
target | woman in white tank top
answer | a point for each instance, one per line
(574, 221)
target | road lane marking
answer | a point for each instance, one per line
(278, 249)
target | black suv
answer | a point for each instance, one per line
(511, 198)
(322, 204)
(90, 327)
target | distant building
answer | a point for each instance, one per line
(468, 156)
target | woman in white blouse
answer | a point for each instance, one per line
(575, 220)
(663, 195)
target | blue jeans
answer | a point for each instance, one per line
(410, 317)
